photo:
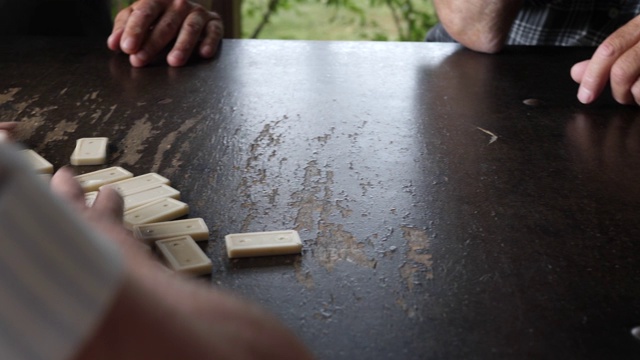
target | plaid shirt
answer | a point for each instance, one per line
(562, 22)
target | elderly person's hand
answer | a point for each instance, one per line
(145, 28)
(617, 61)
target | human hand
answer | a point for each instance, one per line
(7, 128)
(141, 320)
(146, 27)
(616, 60)
(105, 215)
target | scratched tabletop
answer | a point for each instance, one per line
(452, 205)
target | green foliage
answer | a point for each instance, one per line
(408, 19)
(117, 5)
(404, 20)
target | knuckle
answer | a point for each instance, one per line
(618, 74)
(200, 11)
(621, 73)
(143, 14)
(215, 29)
(610, 47)
(164, 33)
(215, 16)
(180, 5)
(192, 28)
(146, 9)
(169, 26)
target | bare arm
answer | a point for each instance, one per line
(481, 25)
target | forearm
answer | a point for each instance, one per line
(139, 328)
(481, 25)
(163, 316)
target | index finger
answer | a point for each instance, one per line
(7, 128)
(8, 125)
(596, 75)
(144, 14)
(67, 187)
(119, 23)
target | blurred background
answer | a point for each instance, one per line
(392, 20)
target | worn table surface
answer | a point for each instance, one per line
(441, 216)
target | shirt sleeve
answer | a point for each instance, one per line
(57, 276)
(438, 34)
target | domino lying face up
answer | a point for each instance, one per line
(69, 291)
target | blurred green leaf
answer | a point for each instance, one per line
(409, 20)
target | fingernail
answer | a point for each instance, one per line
(142, 55)
(177, 55)
(128, 44)
(207, 51)
(584, 95)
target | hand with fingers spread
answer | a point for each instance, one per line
(145, 28)
(615, 61)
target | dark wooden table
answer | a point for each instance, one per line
(442, 217)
